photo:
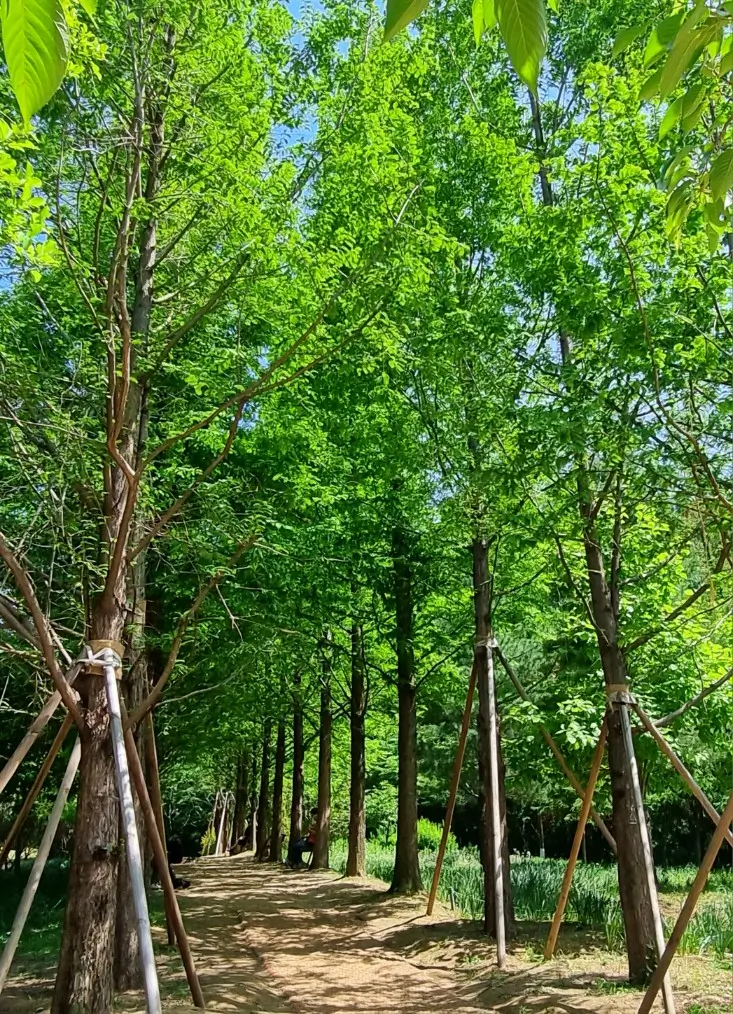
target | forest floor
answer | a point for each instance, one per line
(286, 942)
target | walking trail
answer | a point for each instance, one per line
(285, 942)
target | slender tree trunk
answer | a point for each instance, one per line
(296, 798)
(240, 799)
(253, 801)
(406, 878)
(482, 612)
(323, 824)
(356, 859)
(263, 806)
(636, 903)
(276, 848)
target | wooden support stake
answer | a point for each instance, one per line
(496, 859)
(161, 862)
(577, 842)
(132, 842)
(36, 787)
(623, 708)
(156, 798)
(557, 754)
(34, 731)
(453, 792)
(38, 866)
(698, 885)
(679, 768)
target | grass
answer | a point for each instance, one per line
(42, 934)
(41, 937)
(593, 901)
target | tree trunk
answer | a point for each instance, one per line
(296, 799)
(356, 858)
(482, 614)
(323, 822)
(252, 831)
(276, 847)
(636, 903)
(263, 805)
(406, 877)
(240, 799)
(84, 978)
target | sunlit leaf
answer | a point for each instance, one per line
(671, 118)
(626, 37)
(35, 45)
(721, 175)
(523, 25)
(651, 86)
(399, 14)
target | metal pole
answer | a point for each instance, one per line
(577, 841)
(688, 908)
(496, 858)
(134, 859)
(623, 707)
(161, 861)
(453, 792)
(38, 866)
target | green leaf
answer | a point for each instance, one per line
(721, 175)
(726, 64)
(90, 6)
(686, 48)
(523, 25)
(399, 15)
(477, 12)
(673, 114)
(651, 86)
(554, 6)
(34, 40)
(626, 37)
(693, 106)
(661, 37)
(490, 18)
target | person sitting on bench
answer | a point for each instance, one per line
(305, 844)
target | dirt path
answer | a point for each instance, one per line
(269, 939)
(332, 946)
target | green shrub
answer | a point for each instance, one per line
(429, 835)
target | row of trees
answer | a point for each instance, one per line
(337, 359)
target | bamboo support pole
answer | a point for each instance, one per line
(34, 731)
(577, 842)
(679, 767)
(132, 842)
(687, 909)
(36, 787)
(557, 753)
(496, 859)
(156, 798)
(161, 862)
(669, 1004)
(453, 792)
(39, 864)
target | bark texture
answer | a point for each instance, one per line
(276, 847)
(356, 858)
(296, 797)
(263, 803)
(323, 821)
(482, 616)
(406, 877)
